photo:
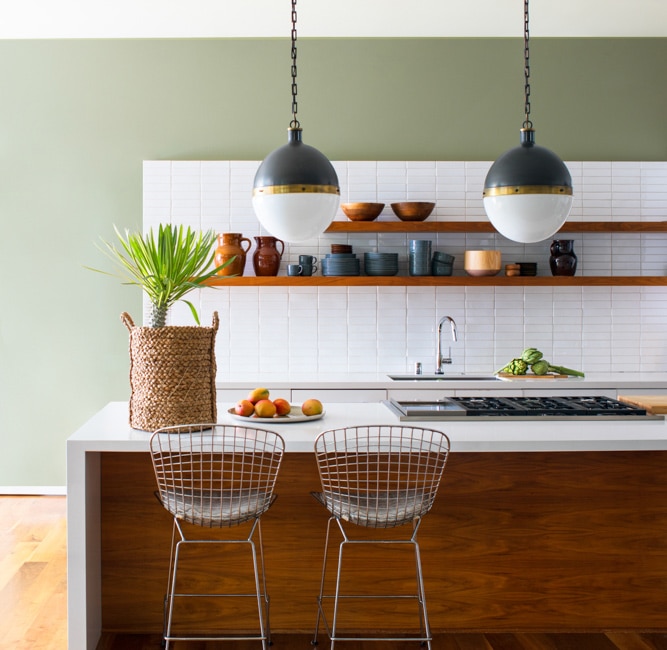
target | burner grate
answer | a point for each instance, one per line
(571, 405)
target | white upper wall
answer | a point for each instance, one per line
(321, 18)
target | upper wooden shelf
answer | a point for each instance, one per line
(485, 226)
(438, 281)
(458, 280)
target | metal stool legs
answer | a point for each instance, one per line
(377, 477)
(215, 476)
(424, 637)
(260, 594)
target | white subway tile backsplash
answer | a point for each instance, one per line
(388, 329)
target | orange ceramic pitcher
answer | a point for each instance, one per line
(230, 244)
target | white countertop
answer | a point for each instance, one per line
(281, 380)
(108, 430)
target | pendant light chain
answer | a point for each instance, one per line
(527, 124)
(294, 124)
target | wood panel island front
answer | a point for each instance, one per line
(557, 526)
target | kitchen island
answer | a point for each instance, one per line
(537, 526)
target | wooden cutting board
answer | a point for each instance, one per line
(507, 375)
(656, 404)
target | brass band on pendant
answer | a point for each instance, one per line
(296, 189)
(527, 189)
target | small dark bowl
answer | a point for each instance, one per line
(362, 211)
(412, 210)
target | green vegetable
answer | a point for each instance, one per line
(561, 370)
(531, 355)
(541, 367)
(515, 367)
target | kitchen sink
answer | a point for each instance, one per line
(446, 377)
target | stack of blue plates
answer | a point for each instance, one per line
(381, 263)
(441, 263)
(340, 264)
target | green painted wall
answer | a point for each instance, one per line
(78, 117)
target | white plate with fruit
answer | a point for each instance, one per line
(257, 407)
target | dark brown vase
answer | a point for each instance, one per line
(563, 261)
(230, 245)
(266, 259)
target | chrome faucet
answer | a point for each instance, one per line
(439, 359)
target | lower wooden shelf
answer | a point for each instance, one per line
(439, 281)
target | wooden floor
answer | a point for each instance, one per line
(33, 582)
(33, 607)
(440, 642)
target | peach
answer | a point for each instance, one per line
(244, 407)
(257, 394)
(312, 407)
(282, 406)
(265, 409)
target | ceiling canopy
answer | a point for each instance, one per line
(352, 18)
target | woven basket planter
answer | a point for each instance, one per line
(172, 375)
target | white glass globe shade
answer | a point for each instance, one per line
(528, 218)
(296, 217)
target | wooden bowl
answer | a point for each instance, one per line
(362, 211)
(480, 263)
(412, 210)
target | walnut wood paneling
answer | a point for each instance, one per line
(515, 542)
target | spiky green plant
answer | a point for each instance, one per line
(166, 267)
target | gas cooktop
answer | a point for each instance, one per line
(594, 407)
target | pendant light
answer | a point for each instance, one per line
(528, 190)
(296, 193)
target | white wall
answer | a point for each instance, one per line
(362, 329)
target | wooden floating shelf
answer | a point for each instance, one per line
(462, 280)
(439, 281)
(485, 226)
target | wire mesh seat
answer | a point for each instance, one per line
(383, 477)
(216, 476)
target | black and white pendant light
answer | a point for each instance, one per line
(528, 190)
(296, 192)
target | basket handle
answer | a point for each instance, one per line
(216, 321)
(127, 320)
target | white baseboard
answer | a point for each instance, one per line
(34, 490)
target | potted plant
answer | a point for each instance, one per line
(172, 368)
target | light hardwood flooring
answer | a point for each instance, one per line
(33, 582)
(33, 608)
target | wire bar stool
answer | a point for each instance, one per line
(377, 476)
(216, 476)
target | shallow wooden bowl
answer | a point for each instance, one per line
(480, 263)
(362, 211)
(412, 210)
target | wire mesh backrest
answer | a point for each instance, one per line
(380, 476)
(216, 475)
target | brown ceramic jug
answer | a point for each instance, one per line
(266, 260)
(563, 260)
(230, 244)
